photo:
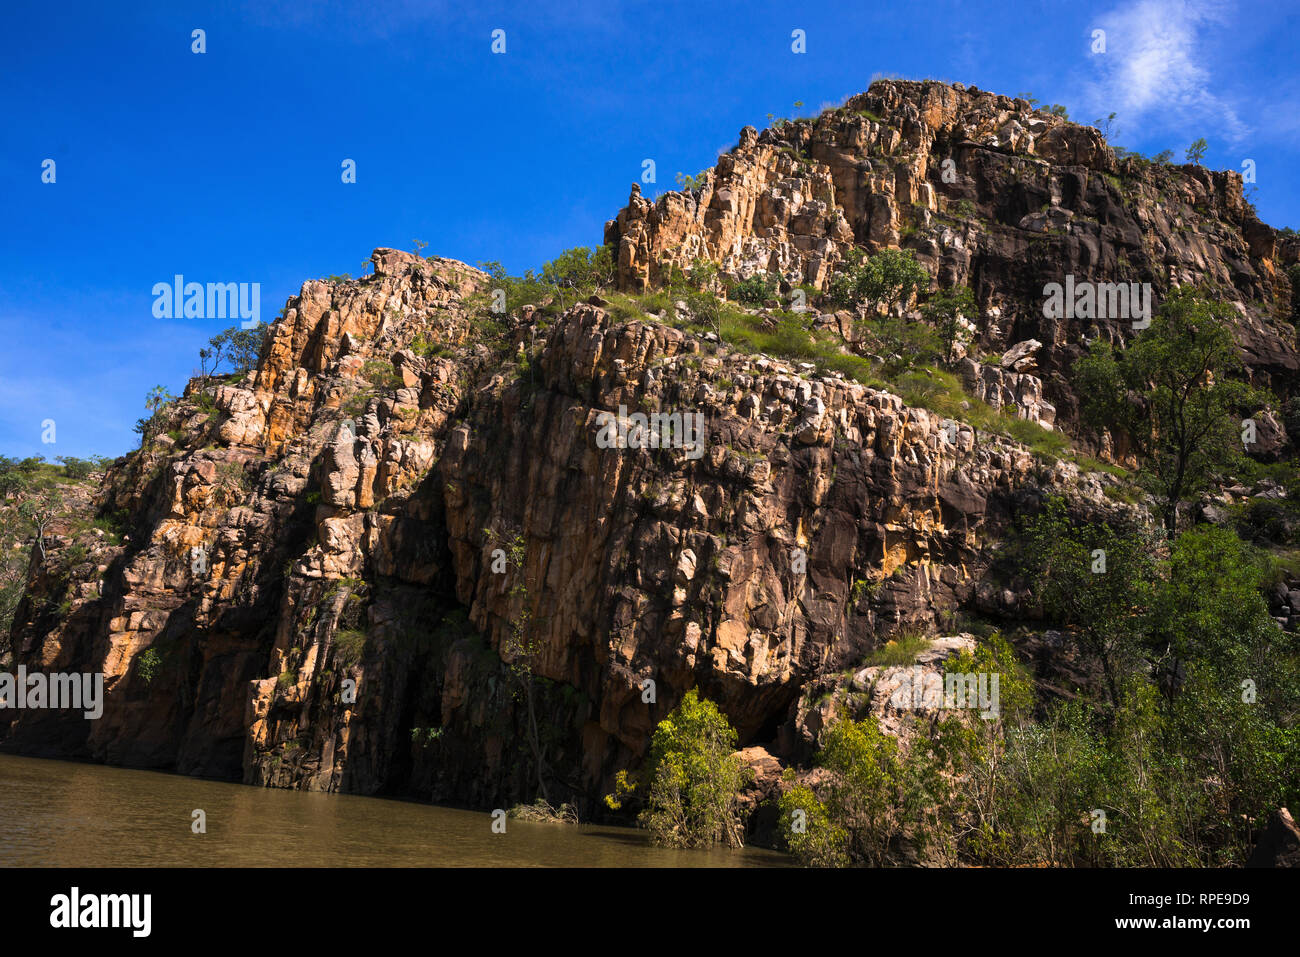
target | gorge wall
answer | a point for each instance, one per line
(330, 524)
(988, 192)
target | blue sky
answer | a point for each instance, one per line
(225, 166)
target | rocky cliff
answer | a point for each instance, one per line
(326, 565)
(988, 192)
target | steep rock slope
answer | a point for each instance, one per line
(327, 565)
(988, 192)
(348, 532)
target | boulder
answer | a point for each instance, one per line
(1022, 357)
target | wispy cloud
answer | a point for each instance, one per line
(1156, 70)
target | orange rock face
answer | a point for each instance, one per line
(326, 577)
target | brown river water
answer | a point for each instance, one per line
(63, 814)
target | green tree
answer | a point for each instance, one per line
(755, 290)
(1182, 776)
(237, 346)
(39, 512)
(1210, 608)
(155, 401)
(950, 311)
(12, 478)
(1151, 795)
(157, 397)
(694, 778)
(698, 181)
(13, 581)
(519, 290)
(974, 753)
(1107, 126)
(865, 799)
(1174, 391)
(209, 358)
(874, 804)
(76, 468)
(1232, 677)
(1196, 152)
(149, 664)
(1031, 803)
(243, 347)
(883, 283)
(810, 833)
(1095, 580)
(698, 288)
(580, 268)
(1242, 755)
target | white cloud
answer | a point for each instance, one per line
(1155, 69)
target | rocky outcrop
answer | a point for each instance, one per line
(988, 192)
(874, 690)
(1015, 390)
(312, 594)
(339, 572)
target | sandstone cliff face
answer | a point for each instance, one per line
(312, 593)
(988, 192)
(347, 532)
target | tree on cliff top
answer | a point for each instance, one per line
(580, 268)
(237, 346)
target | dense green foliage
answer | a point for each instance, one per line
(1176, 392)
(755, 290)
(884, 280)
(879, 287)
(580, 268)
(1094, 580)
(1190, 743)
(685, 181)
(872, 799)
(951, 312)
(32, 498)
(694, 778)
(560, 283)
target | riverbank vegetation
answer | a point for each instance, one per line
(1173, 758)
